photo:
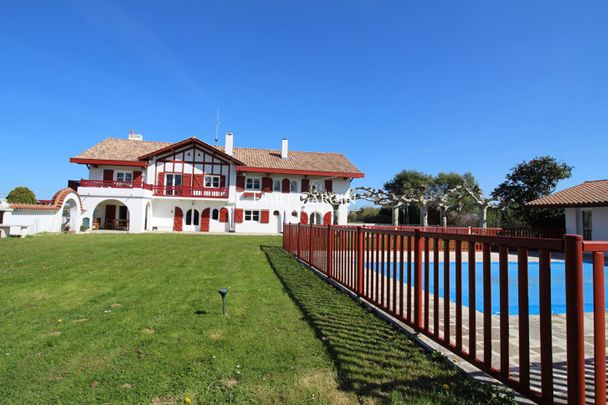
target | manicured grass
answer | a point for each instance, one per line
(137, 319)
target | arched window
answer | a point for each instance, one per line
(294, 186)
(215, 214)
(192, 217)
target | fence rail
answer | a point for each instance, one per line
(407, 273)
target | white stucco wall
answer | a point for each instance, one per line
(30, 222)
(599, 222)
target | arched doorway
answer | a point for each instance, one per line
(148, 216)
(178, 219)
(315, 218)
(111, 215)
(192, 220)
(69, 216)
(327, 218)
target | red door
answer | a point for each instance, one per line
(110, 216)
(108, 177)
(205, 220)
(327, 218)
(178, 219)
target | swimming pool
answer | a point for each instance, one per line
(558, 285)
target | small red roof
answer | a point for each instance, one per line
(588, 194)
(53, 205)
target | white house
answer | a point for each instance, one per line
(136, 186)
(62, 213)
(586, 207)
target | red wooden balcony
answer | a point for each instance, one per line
(166, 191)
(191, 192)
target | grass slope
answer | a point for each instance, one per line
(137, 319)
(373, 359)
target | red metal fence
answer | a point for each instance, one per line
(359, 259)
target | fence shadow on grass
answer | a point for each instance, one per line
(373, 359)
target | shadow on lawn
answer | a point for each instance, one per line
(373, 358)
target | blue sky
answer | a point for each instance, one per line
(427, 85)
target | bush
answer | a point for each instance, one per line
(22, 195)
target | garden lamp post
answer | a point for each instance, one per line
(223, 292)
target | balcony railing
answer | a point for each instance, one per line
(191, 192)
(166, 191)
(110, 184)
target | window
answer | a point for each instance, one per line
(124, 176)
(212, 181)
(587, 225)
(252, 215)
(215, 214)
(173, 184)
(252, 183)
(276, 185)
(318, 187)
(294, 186)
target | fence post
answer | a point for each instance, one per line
(330, 250)
(417, 279)
(298, 241)
(360, 235)
(573, 250)
(310, 245)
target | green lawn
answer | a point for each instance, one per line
(137, 319)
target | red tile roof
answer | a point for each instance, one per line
(588, 194)
(255, 159)
(54, 204)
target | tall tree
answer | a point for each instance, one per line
(528, 181)
(21, 195)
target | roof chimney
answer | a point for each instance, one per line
(228, 145)
(284, 148)
(135, 137)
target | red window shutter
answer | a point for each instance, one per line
(199, 180)
(285, 186)
(137, 178)
(224, 215)
(327, 218)
(161, 179)
(205, 220)
(187, 185)
(238, 215)
(240, 183)
(266, 184)
(305, 185)
(265, 216)
(303, 218)
(329, 186)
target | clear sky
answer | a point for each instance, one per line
(428, 85)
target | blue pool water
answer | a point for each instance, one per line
(558, 285)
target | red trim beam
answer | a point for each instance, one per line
(108, 162)
(298, 172)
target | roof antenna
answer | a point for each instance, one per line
(217, 124)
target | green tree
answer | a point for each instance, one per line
(21, 195)
(528, 181)
(407, 180)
